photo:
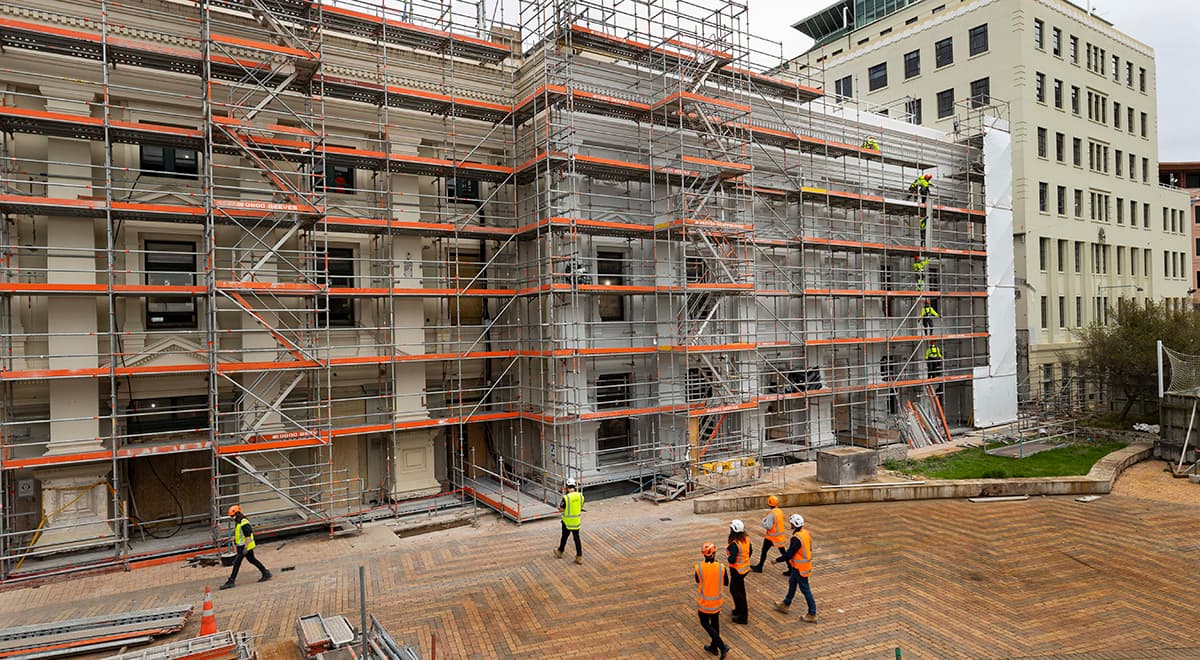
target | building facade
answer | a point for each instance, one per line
(1092, 225)
(332, 261)
(1186, 176)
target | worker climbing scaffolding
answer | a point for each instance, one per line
(871, 143)
(928, 314)
(933, 361)
(919, 266)
(919, 188)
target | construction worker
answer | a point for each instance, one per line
(870, 143)
(919, 265)
(572, 515)
(739, 551)
(933, 361)
(711, 579)
(928, 314)
(799, 557)
(773, 524)
(243, 539)
(919, 188)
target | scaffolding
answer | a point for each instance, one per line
(345, 255)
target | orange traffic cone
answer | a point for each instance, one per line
(208, 621)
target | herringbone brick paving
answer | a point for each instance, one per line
(1115, 578)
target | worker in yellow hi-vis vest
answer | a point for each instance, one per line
(870, 143)
(243, 539)
(933, 361)
(919, 188)
(572, 517)
(928, 314)
(919, 266)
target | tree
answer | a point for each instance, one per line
(1121, 356)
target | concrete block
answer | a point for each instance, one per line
(892, 453)
(846, 465)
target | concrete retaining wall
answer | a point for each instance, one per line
(1098, 481)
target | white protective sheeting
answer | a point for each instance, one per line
(995, 391)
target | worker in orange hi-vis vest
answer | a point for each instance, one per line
(739, 551)
(775, 534)
(799, 557)
(711, 579)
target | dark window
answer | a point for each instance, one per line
(613, 438)
(1039, 87)
(1041, 142)
(170, 160)
(1038, 36)
(877, 76)
(1062, 201)
(945, 103)
(943, 52)
(1056, 42)
(977, 39)
(610, 271)
(1060, 147)
(912, 64)
(1144, 124)
(170, 263)
(1073, 50)
(462, 190)
(1077, 151)
(981, 93)
(1141, 79)
(913, 106)
(338, 179)
(1058, 94)
(1191, 180)
(148, 417)
(844, 87)
(335, 268)
(1043, 206)
(1075, 100)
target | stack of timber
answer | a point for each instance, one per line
(923, 423)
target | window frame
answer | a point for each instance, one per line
(944, 47)
(975, 44)
(912, 64)
(875, 81)
(155, 249)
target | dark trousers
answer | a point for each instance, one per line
(737, 588)
(248, 555)
(927, 323)
(762, 556)
(562, 542)
(934, 368)
(796, 581)
(712, 625)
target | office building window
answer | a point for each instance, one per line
(1145, 170)
(1060, 148)
(337, 179)
(1116, 115)
(913, 107)
(1058, 93)
(1073, 49)
(877, 77)
(1039, 87)
(844, 87)
(1056, 42)
(1045, 311)
(170, 263)
(1132, 166)
(1120, 210)
(1120, 258)
(1146, 216)
(1062, 200)
(943, 52)
(945, 103)
(1129, 119)
(912, 64)
(1043, 204)
(335, 268)
(170, 161)
(610, 271)
(1078, 203)
(1117, 162)
(1062, 255)
(1078, 256)
(1041, 142)
(1074, 99)
(1078, 311)
(1038, 28)
(1062, 311)
(977, 39)
(1141, 79)
(1144, 124)
(1077, 152)
(1116, 68)
(981, 93)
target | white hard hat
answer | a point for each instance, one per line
(570, 482)
(737, 526)
(797, 520)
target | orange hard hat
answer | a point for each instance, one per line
(708, 550)
(928, 177)
(772, 501)
(916, 257)
(233, 510)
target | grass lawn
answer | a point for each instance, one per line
(972, 463)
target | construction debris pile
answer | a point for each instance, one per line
(334, 638)
(226, 645)
(922, 423)
(92, 634)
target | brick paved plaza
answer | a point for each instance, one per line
(1115, 578)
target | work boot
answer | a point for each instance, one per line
(265, 576)
(756, 569)
(578, 559)
(710, 649)
(809, 618)
(782, 607)
(558, 554)
(724, 650)
(227, 585)
(742, 620)
(787, 573)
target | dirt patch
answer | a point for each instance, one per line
(1149, 480)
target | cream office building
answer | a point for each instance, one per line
(1092, 225)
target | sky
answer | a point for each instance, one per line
(1167, 26)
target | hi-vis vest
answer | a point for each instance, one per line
(802, 560)
(928, 310)
(921, 182)
(933, 352)
(919, 266)
(711, 576)
(240, 538)
(572, 509)
(741, 563)
(775, 532)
